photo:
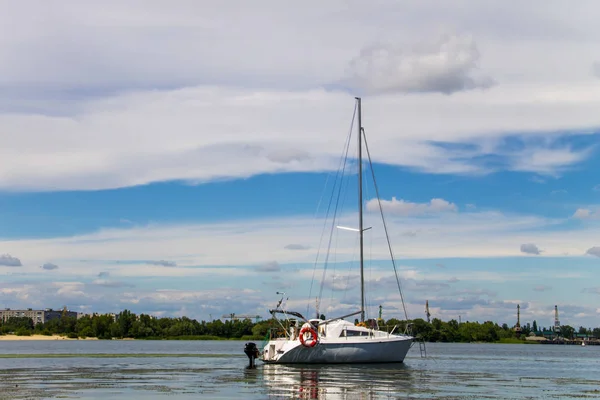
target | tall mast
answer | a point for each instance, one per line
(360, 214)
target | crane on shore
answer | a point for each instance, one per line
(517, 327)
(556, 320)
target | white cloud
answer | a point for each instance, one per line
(241, 88)
(9, 261)
(106, 45)
(594, 251)
(69, 289)
(49, 266)
(530, 248)
(107, 151)
(449, 65)
(585, 213)
(406, 208)
(548, 161)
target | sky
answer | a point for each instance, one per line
(178, 159)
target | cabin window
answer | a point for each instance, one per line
(348, 333)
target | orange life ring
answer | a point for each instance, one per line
(312, 340)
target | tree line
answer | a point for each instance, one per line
(489, 331)
(129, 325)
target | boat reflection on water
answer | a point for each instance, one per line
(332, 382)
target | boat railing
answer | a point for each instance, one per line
(278, 333)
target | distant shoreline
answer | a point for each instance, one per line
(10, 337)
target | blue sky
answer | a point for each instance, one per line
(177, 161)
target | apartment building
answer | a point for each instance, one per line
(37, 316)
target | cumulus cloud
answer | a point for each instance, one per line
(49, 266)
(406, 208)
(593, 251)
(530, 248)
(272, 266)
(448, 65)
(9, 261)
(162, 263)
(294, 246)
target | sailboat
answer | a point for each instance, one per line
(336, 340)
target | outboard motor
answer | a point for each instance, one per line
(252, 352)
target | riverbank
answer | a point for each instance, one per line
(40, 337)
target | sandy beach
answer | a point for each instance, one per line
(39, 337)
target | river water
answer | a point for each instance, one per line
(217, 370)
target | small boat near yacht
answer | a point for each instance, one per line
(336, 340)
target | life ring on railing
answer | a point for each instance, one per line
(313, 338)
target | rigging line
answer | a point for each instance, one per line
(335, 210)
(387, 236)
(342, 157)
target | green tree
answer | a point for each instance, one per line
(567, 331)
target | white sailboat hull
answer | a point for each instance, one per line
(340, 351)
